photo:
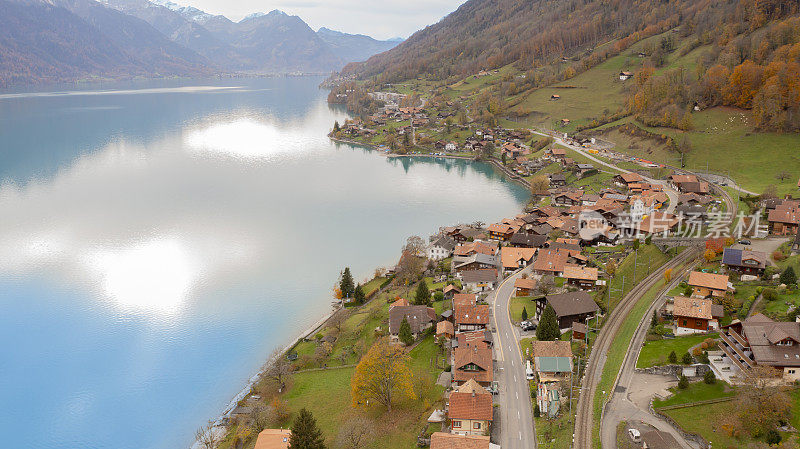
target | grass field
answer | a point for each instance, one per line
(655, 353)
(518, 303)
(649, 259)
(697, 391)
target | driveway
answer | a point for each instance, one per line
(517, 430)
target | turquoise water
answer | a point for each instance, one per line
(159, 239)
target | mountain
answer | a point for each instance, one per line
(51, 41)
(355, 47)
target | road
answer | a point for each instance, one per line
(517, 426)
(622, 406)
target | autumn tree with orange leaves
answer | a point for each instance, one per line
(382, 376)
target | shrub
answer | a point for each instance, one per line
(683, 383)
(770, 294)
(709, 377)
(673, 358)
(686, 359)
(772, 437)
(438, 296)
(704, 358)
(688, 291)
(788, 276)
(536, 411)
(697, 350)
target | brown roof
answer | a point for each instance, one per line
(441, 440)
(551, 260)
(572, 303)
(527, 283)
(463, 299)
(580, 273)
(481, 275)
(471, 401)
(477, 355)
(763, 334)
(273, 439)
(472, 313)
(400, 302)
(444, 327)
(418, 317)
(551, 349)
(694, 308)
(787, 215)
(631, 177)
(708, 280)
(451, 287)
(501, 228)
(678, 179)
(475, 247)
(510, 257)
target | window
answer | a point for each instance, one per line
(685, 323)
(456, 424)
(699, 323)
(476, 426)
(791, 371)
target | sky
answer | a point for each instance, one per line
(381, 19)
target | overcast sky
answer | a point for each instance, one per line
(382, 19)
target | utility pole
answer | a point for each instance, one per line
(635, 256)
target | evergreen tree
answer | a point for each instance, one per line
(336, 126)
(683, 383)
(673, 358)
(358, 294)
(524, 314)
(686, 359)
(654, 320)
(788, 276)
(305, 433)
(423, 296)
(636, 244)
(709, 378)
(346, 284)
(405, 334)
(548, 325)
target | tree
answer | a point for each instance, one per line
(667, 275)
(503, 158)
(686, 359)
(636, 244)
(539, 185)
(358, 295)
(548, 325)
(536, 411)
(611, 267)
(346, 284)
(422, 297)
(206, 436)
(761, 403)
(788, 276)
(673, 358)
(545, 285)
(524, 314)
(683, 383)
(709, 377)
(383, 375)
(336, 126)
(769, 294)
(709, 255)
(355, 433)
(260, 418)
(654, 320)
(772, 437)
(305, 433)
(279, 368)
(405, 334)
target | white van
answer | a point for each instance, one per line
(635, 435)
(528, 370)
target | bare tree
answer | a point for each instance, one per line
(261, 416)
(279, 368)
(207, 437)
(762, 402)
(338, 319)
(415, 246)
(783, 175)
(545, 285)
(356, 433)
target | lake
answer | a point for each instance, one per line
(159, 239)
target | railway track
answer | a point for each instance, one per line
(584, 421)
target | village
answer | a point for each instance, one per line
(481, 313)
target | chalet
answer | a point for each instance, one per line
(558, 180)
(745, 261)
(625, 76)
(451, 147)
(552, 361)
(689, 184)
(441, 248)
(513, 259)
(579, 331)
(550, 261)
(480, 280)
(522, 239)
(626, 179)
(659, 223)
(761, 341)
(445, 329)
(565, 121)
(695, 315)
(478, 261)
(568, 199)
(441, 440)
(569, 307)
(784, 219)
(476, 247)
(273, 439)
(473, 362)
(450, 291)
(501, 231)
(693, 199)
(584, 169)
(471, 317)
(692, 213)
(706, 285)
(581, 277)
(555, 154)
(470, 409)
(524, 286)
(419, 317)
(464, 299)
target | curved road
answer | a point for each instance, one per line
(516, 425)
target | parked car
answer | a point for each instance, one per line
(495, 388)
(745, 242)
(527, 326)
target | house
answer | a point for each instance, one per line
(473, 362)
(441, 440)
(745, 261)
(471, 317)
(625, 76)
(579, 331)
(552, 361)
(419, 317)
(694, 213)
(475, 262)
(465, 339)
(529, 239)
(476, 247)
(581, 277)
(708, 284)
(470, 409)
(568, 199)
(451, 147)
(693, 199)
(450, 291)
(464, 298)
(273, 439)
(524, 286)
(761, 341)
(480, 280)
(569, 308)
(501, 231)
(445, 329)
(555, 154)
(695, 315)
(512, 259)
(626, 179)
(659, 223)
(550, 261)
(441, 248)
(784, 219)
(558, 180)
